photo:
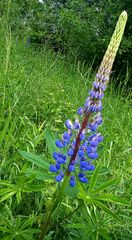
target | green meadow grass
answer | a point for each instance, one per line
(39, 90)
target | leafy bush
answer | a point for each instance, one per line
(78, 27)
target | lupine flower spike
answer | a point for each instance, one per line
(82, 138)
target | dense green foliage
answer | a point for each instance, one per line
(39, 91)
(80, 27)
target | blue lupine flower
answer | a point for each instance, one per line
(93, 127)
(53, 168)
(93, 155)
(76, 124)
(90, 167)
(61, 158)
(66, 135)
(82, 136)
(93, 143)
(58, 166)
(81, 153)
(55, 155)
(82, 178)
(59, 144)
(80, 142)
(83, 165)
(72, 181)
(81, 139)
(91, 149)
(80, 111)
(69, 124)
(59, 177)
(70, 152)
(71, 167)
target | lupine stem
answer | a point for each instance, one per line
(45, 225)
(78, 141)
(54, 204)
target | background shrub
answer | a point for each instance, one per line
(81, 28)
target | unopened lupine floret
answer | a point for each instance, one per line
(66, 135)
(70, 152)
(55, 155)
(72, 181)
(76, 124)
(81, 153)
(82, 178)
(93, 155)
(59, 144)
(82, 136)
(71, 167)
(69, 124)
(91, 149)
(53, 168)
(59, 177)
(93, 127)
(80, 111)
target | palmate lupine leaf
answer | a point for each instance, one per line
(36, 159)
(38, 174)
(94, 178)
(112, 198)
(107, 210)
(107, 184)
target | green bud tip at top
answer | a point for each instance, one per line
(110, 54)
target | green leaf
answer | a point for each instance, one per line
(4, 229)
(107, 210)
(5, 190)
(34, 188)
(38, 160)
(9, 237)
(28, 222)
(31, 230)
(106, 185)
(75, 225)
(112, 198)
(38, 174)
(94, 178)
(104, 234)
(25, 236)
(7, 196)
(3, 182)
(50, 140)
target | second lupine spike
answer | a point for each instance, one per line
(81, 138)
